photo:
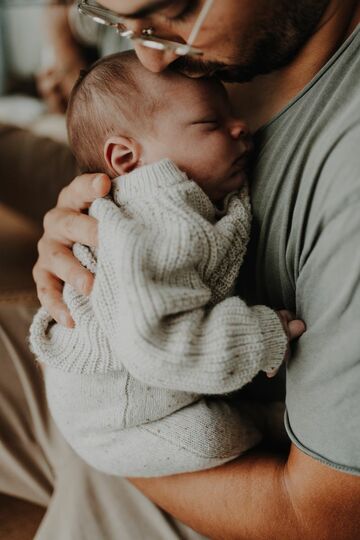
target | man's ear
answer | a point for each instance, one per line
(122, 154)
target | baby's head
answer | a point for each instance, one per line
(121, 116)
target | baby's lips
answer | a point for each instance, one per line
(241, 162)
(247, 149)
(249, 144)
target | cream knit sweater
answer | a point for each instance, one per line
(158, 332)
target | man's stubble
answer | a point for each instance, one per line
(271, 42)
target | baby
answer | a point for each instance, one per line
(139, 386)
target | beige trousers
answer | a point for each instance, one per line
(37, 465)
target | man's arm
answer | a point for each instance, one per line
(262, 496)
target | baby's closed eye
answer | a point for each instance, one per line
(208, 123)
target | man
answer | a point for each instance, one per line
(302, 60)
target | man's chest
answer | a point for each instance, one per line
(285, 193)
(291, 185)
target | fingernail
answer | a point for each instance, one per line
(97, 183)
(80, 284)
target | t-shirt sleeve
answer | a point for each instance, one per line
(323, 376)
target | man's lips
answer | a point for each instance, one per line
(195, 75)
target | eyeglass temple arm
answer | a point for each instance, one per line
(198, 24)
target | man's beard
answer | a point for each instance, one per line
(291, 23)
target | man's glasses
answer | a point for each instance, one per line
(147, 37)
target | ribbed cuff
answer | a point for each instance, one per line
(274, 338)
(83, 349)
(146, 179)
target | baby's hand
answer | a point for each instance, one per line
(293, 328)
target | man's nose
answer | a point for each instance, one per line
(154, 61)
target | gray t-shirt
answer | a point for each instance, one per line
(305, 253)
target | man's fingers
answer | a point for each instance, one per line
(296, 328)
(61, 266)
(61, 263)
(83, 191)
(63, 226)
(49, 291)
(67, 226)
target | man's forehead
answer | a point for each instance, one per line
(136, 9)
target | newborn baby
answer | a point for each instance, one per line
(139, 386)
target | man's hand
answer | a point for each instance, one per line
(293, 328)
(63, 226)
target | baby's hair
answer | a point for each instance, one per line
(106, 97)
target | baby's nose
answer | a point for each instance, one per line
(238, 129)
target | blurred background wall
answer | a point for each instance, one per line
(33, 57)
(22, 45)
(22, 35)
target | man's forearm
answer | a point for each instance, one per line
(243, 500)
(263, 497)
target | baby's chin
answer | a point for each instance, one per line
(236, 180)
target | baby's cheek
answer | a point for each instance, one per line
(218, 151)
(213, 154)
(205, 158)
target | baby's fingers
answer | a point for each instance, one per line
(296, 328)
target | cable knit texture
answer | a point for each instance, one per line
(159, 330)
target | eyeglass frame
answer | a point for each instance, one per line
(147, 36)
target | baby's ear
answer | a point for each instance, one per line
(122, 155)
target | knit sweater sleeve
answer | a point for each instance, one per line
(159, 252)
